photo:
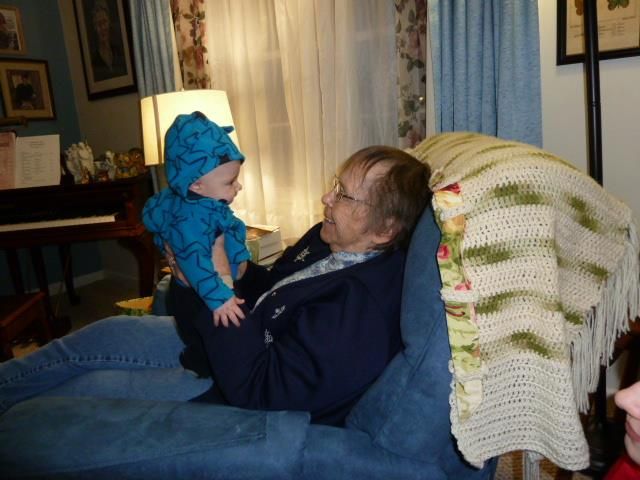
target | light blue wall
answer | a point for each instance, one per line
(45, 41)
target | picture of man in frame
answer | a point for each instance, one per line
(25, 89)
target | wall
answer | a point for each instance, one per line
(564, 117)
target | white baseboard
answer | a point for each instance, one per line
(79, 281)
(121, 275)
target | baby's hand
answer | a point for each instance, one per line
(229, 311)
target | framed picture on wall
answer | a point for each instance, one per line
(105, 46)
(618, 29)
(11, 32)
(26, 89)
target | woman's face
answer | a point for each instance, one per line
(101, 24)
(345, 224)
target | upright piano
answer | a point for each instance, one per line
(65, 214)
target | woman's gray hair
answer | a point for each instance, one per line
(398, 197)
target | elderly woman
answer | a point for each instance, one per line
(323, 322)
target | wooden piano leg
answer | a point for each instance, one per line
(144, 250)
(59, 325)
(14, 270)
(64, 251)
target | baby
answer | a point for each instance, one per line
(202, 165)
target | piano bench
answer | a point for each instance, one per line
(17, 313)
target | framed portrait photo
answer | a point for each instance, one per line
(618, 29)
(26, 89)
(11, 32)
(104, 37)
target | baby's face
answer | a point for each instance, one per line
(629, 400)
(221, 183)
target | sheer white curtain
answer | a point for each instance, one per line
(309, 82)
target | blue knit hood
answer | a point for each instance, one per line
(194, 145)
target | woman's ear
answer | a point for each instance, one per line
(387, 233)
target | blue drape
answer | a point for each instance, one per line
(486, 65)
(152, 29)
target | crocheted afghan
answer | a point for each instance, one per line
(540, 275)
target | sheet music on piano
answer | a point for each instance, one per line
(29, 161)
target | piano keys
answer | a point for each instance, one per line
(62, 222)
(65, 214)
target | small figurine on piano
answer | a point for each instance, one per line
(202, 165)
(105, 168)
(130, 164)
(79, 161)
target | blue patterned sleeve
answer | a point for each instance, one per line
(153, 219)
(235, 238)
(192, 242)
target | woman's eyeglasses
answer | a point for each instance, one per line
(339, 193)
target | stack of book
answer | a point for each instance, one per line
(264, 243)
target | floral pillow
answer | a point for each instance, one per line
(459, 299)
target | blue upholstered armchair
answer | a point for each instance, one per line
(400, 428)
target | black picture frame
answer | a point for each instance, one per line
(566, 55)
(104, 36)
(26, 89)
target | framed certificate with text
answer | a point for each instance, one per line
(618, 29)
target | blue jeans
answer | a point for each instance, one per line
(118, 357)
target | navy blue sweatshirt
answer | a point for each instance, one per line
(314, 345)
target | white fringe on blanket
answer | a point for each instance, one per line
(595, 343)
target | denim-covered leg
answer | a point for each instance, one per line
(175, 384)
(116, 343)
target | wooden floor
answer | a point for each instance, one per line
(510, 468)
(97, 300)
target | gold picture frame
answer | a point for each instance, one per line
(618, 29)
(26, 89)
(11, 31)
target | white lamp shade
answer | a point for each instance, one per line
(159, 112)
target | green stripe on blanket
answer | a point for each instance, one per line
(508, 250)
(500, 301)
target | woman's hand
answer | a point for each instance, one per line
(229, 311)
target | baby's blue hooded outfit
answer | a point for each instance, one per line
(190, 223)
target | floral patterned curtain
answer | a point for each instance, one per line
(411, 41)
(189, 24)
